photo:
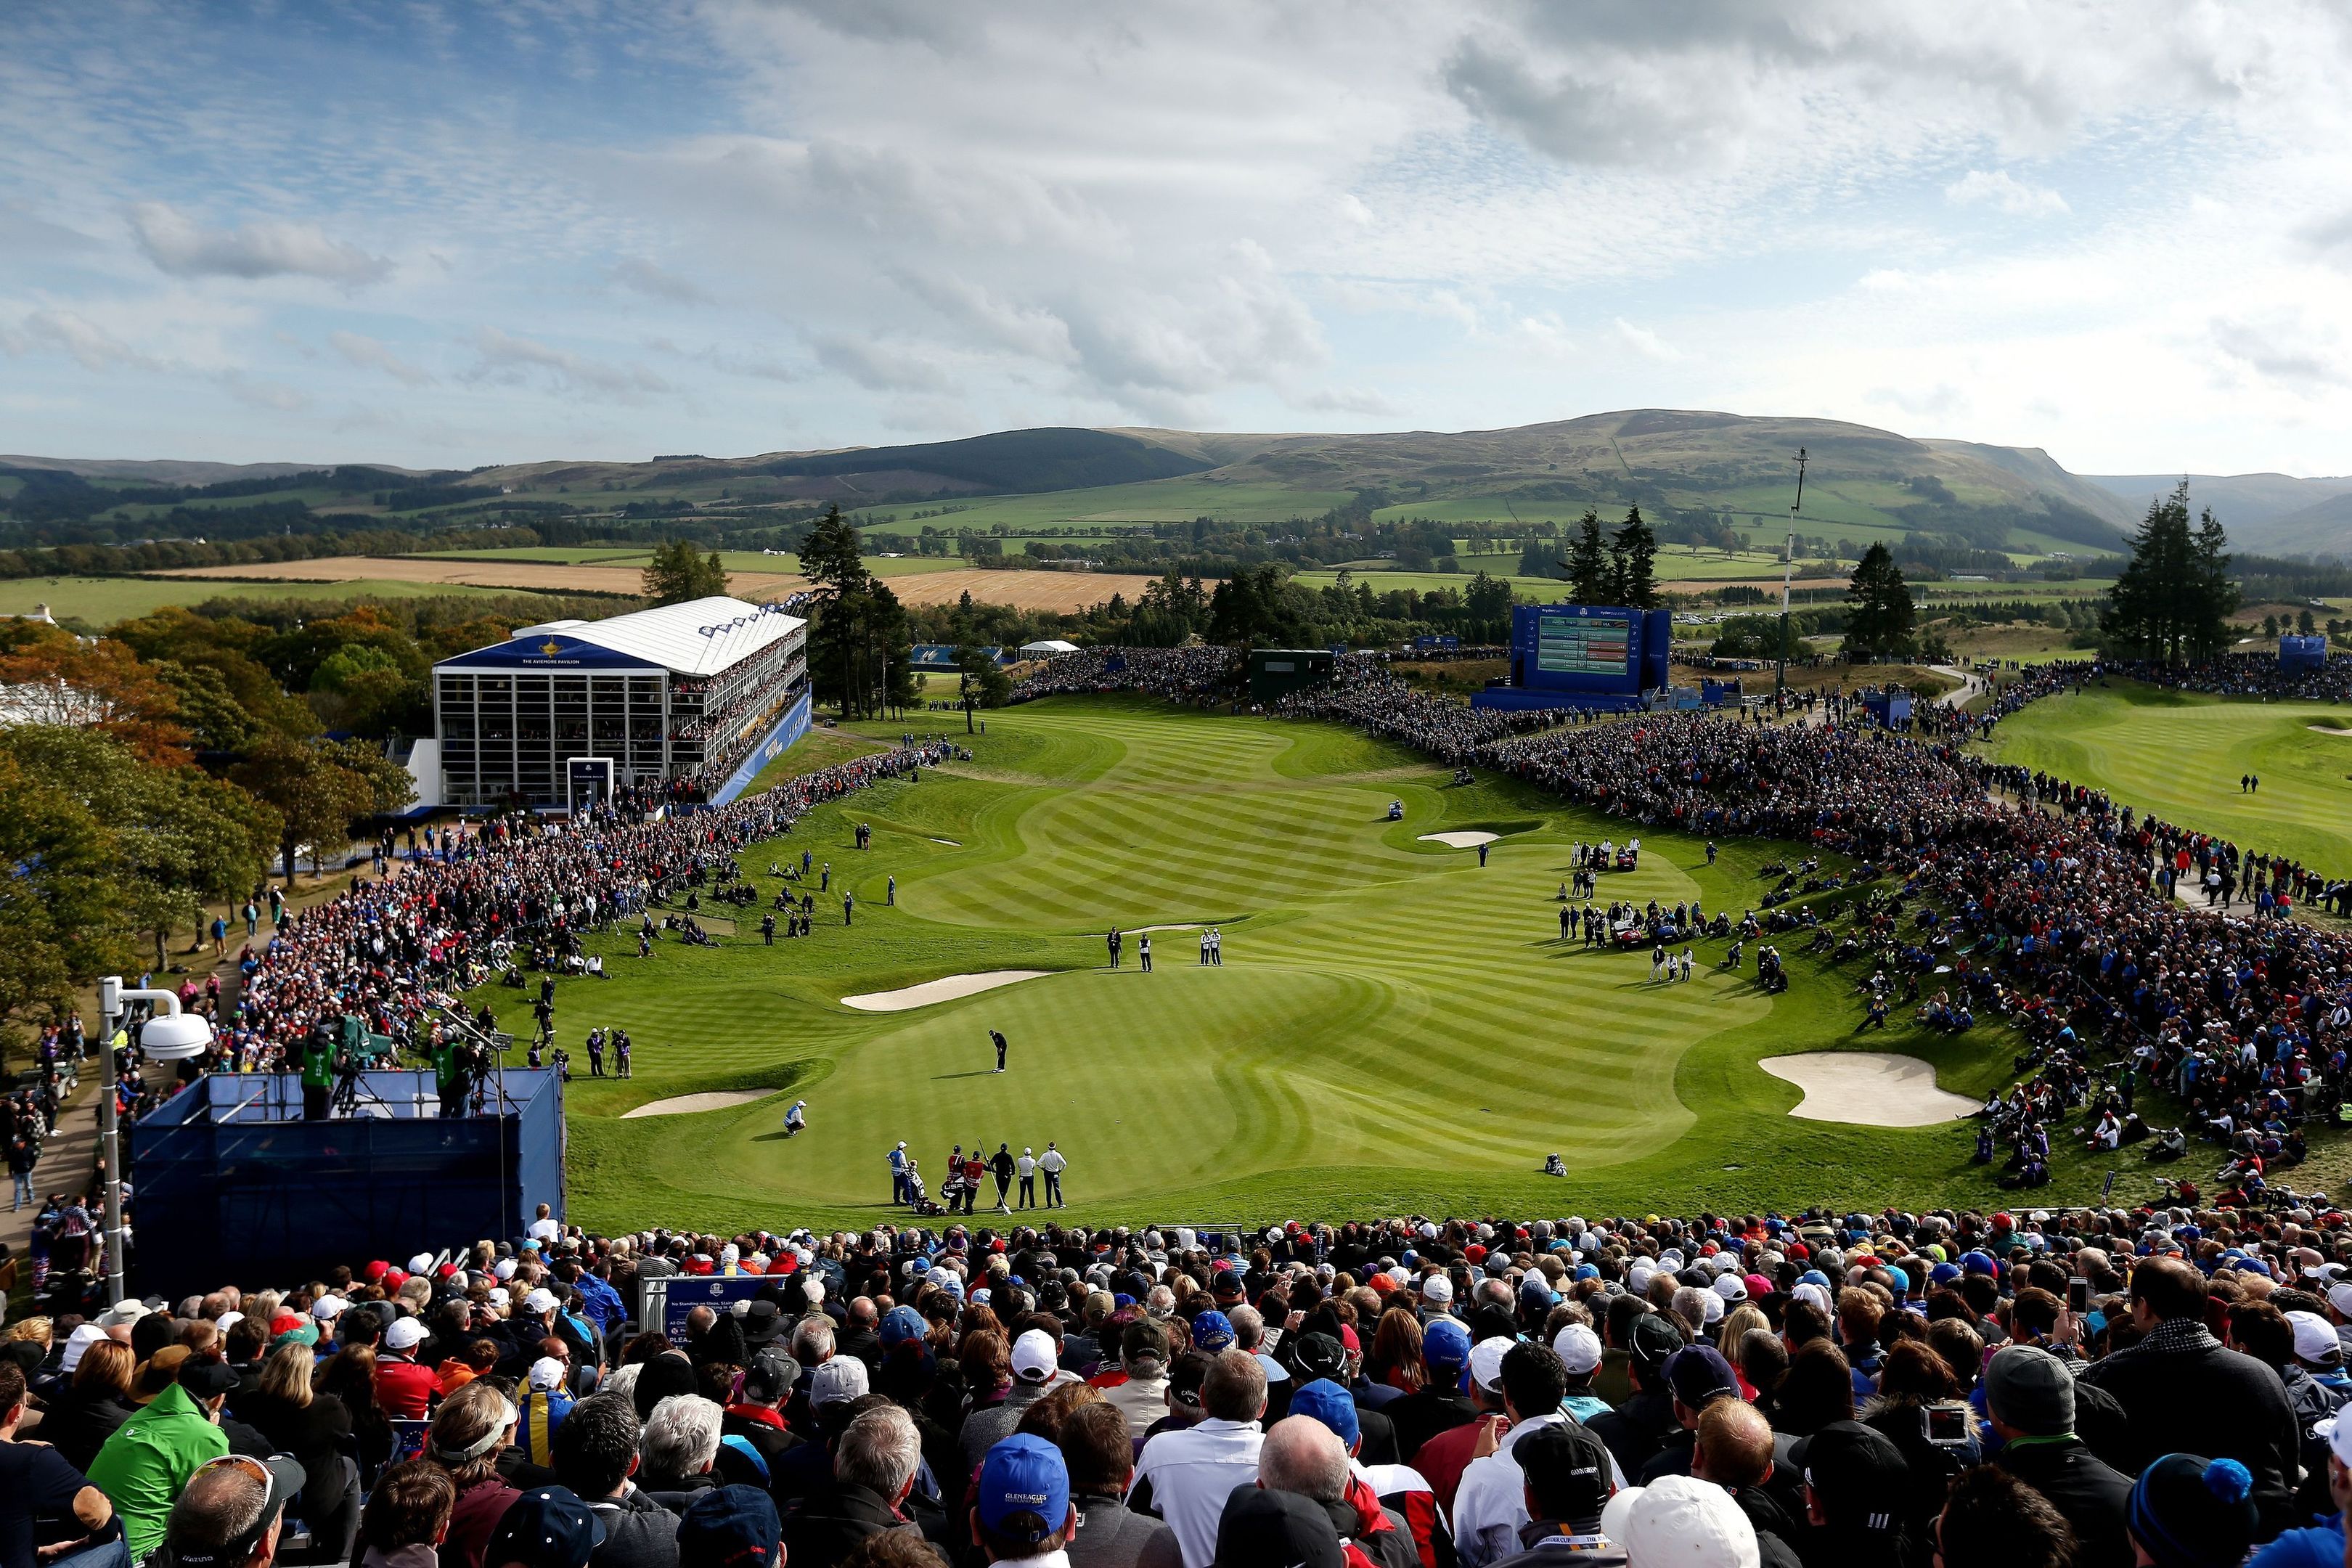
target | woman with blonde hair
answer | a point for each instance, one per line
(472, 1428)
(315, 1429)
(85, 1414)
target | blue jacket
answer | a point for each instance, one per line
(2321, 1546)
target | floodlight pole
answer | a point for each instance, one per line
(1787, 567)
(111, 995)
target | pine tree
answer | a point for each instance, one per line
(2172, 601)
(1588, 563)
(1879, 612)
(677, 574)
(1633, 553)
(841, 586)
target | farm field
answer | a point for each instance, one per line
(101, 601)
(1025, 590)
(1157, 500)
(1394, 1028)
(2180, 754)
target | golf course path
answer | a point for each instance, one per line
(688, 1104)
(945, 989)
(1868, 1088)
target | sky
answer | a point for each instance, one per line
(446, 236)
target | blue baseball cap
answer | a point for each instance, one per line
(902, 1325)
(547, 1526)
(1979, 1263)
(1327, 1401)
(1446, 1342)
(1943, 1274)
(731, 1526)
(1024, 1474)
(1213, 1331)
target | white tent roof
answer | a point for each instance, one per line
(1050, 645)
(701, 636)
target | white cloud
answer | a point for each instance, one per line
(658, 283)
(366, 351)
(179, 245)
(511, 359)
(89, 346)
(270, 396)
(883, 366)
(2285, 347)
(1643, 341)
(1999, 188)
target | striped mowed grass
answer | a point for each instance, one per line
(2181, 754)
(1393, 1027)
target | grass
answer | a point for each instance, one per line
(1157, 500)
(1394, 1027)
(102, 601)
(2180, 754)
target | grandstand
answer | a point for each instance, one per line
(689, 697)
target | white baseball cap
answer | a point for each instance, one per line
(1730, 1286)
(1437, 1289)
(421, 1264)
(540, 1301)
(326, 1309)
(123, 1314)
(405, 1335)
(1578, 1347)
(2336, 1433)
(547, 1372)
(836, 1382)
(2340, 1297)
(2314, 1337)
(1035, 1359)
(1678, 1522)
(1487, 1362)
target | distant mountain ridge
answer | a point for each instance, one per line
(1737, 466)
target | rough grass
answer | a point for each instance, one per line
(1393, 1028)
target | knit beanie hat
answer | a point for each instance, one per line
(2031, 1389)
(2191, 1512)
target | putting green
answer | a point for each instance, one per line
(2180, 755)
(1394, 1027)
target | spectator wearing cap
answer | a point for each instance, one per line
(1098, 1453)
(1400, 1491)
(2189, 1512)
(1266, 1528)
(1640, 1424)
(316, 1429)
(1679, 1522)
(2183, 1391)
(1992, 1517)
(754, 1416)
(1184, 1477)
(1855, 1487)
(1579, 1352)
(1695, 1377)
(545, 1403)
(1139, 1387)
(230, 1514)
(1021, 1509)
(1035, 1364)
(1566, 1470)
(731, 1526)
(1304, 1455)
(1490, 1505)
(548, 1527)
(405, 1388)
(2030, 1401)
(596, 1454)
(1322, 1352)
(38, 1483)
(144, 1468)
(1438, 1404)
(470, 1432)
(1445, 1456)
(874, 1466)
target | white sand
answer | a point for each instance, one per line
(1869, 1088)
(686, 1104)
(2328, 730)
(1463, 840)
(949, 842)
(1188, 925)
(946, 989)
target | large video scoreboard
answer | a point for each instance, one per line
(1593, 650)
(1579, 645)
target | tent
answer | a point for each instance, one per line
(1049, 646)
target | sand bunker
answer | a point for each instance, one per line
(1466, 839)
(1869, 1088)
(942, 990)
(2330, 730)
(949, 842)
(686, 1104)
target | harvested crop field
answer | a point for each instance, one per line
(1060, 591)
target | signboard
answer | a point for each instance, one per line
(668, 1301)
(1594, 644)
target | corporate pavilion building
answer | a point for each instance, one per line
(693, 697)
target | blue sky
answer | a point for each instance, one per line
(445, 235)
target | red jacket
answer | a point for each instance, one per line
(405, 1389)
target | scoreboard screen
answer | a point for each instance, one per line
(1584, 645)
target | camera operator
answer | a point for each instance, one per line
(318, 1072)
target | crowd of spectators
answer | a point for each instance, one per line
(2098, 1388)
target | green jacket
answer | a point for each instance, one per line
(318, 1068)
(147, 1460)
